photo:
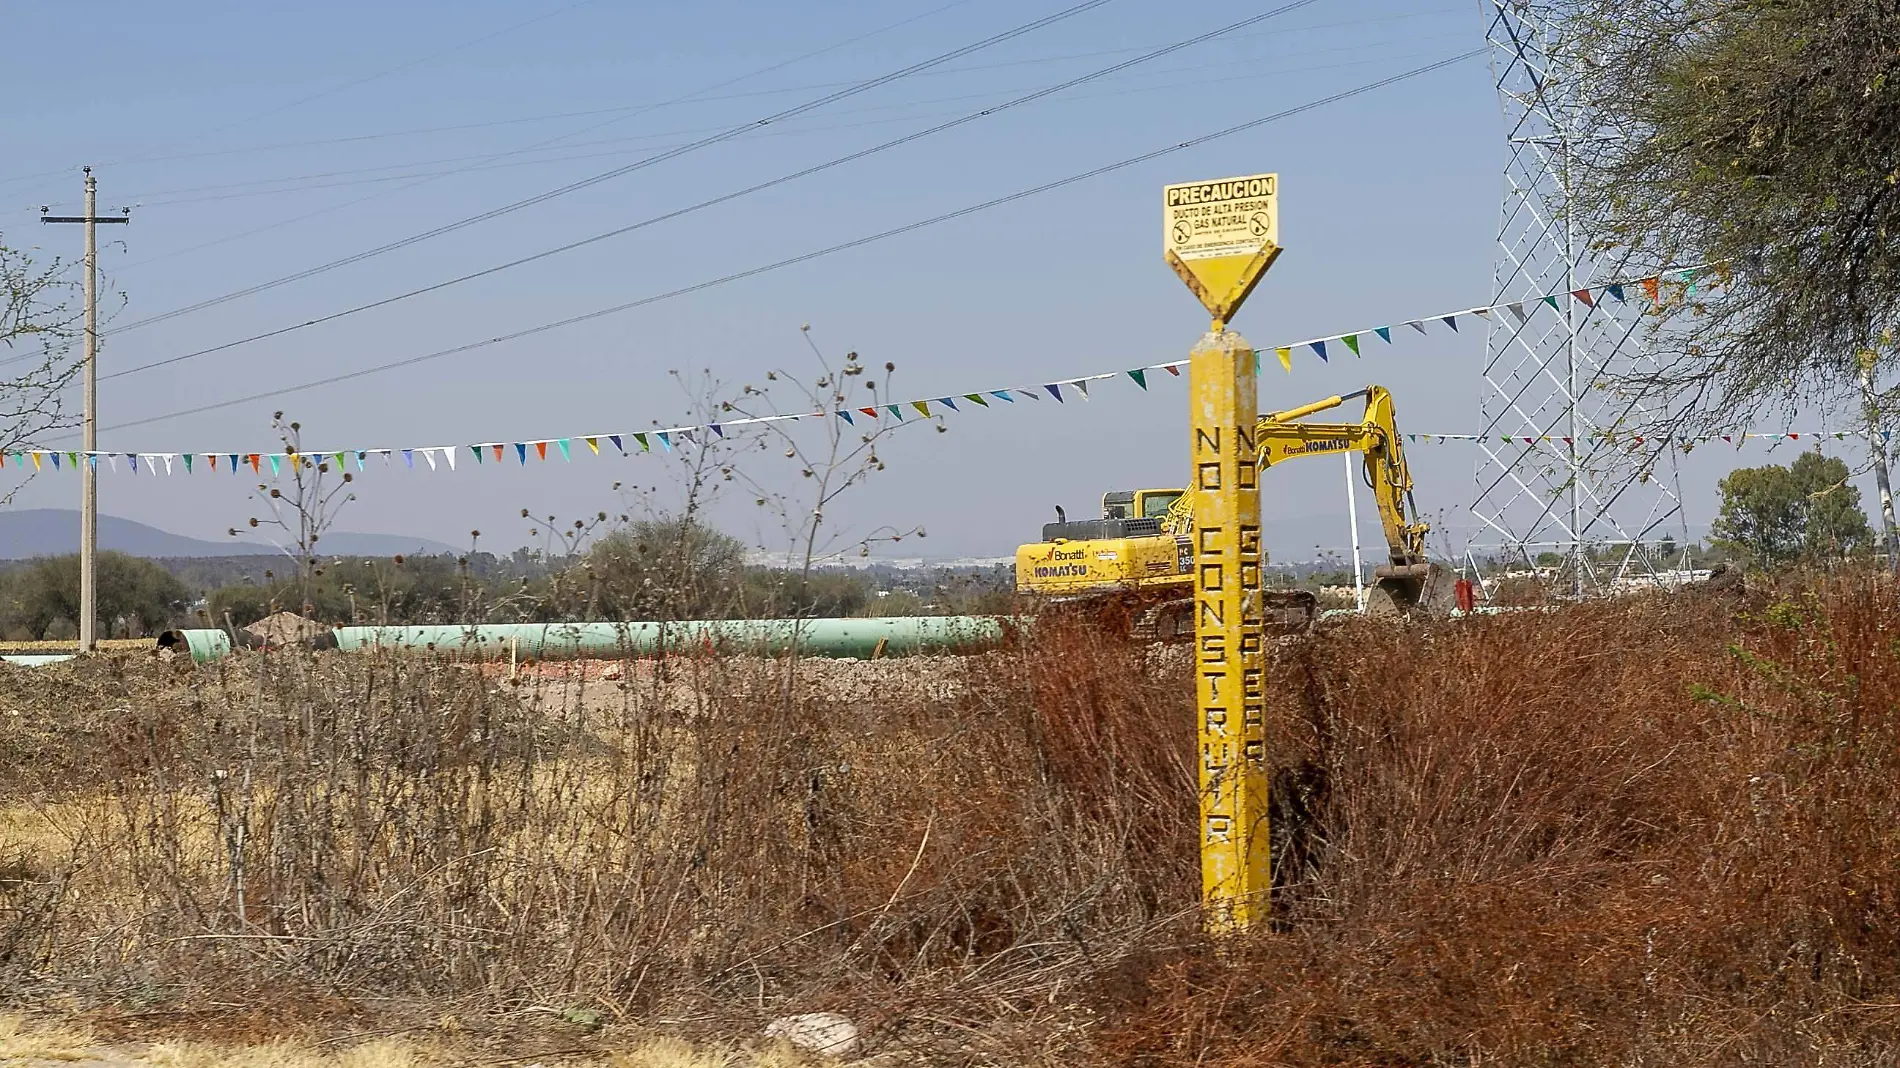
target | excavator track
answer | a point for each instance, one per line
(1151, 619)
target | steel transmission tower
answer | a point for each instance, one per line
(1547, 374)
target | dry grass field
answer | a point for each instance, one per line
(1656, 831)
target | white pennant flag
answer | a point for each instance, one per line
(429, 455)
(449, 454)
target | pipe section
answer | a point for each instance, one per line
(842, 638)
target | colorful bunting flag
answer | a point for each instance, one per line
(1286, 358)
(1141, 378)
(1352, 342)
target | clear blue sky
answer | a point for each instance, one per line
(258, 140)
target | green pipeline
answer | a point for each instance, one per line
(840, 638)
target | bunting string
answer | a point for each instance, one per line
(1063, 391)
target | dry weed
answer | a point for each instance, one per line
(1643, 831)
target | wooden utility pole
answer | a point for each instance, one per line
(88, 468)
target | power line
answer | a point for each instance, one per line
(334, 89)
(630, 113)
(726, 135)
(702, 97)
(370, 175)
(817, 254)
(728, 197)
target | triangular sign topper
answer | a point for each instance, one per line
(1221, 236)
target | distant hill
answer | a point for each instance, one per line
(30, 532)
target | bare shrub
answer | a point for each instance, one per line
(1642, 831)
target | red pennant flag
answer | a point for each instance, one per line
(1728, 439)
(213, 457)
(1794, 437)
(1567, 441)
(1653, 287)
(872, 412)
(1583, 295)
(255, 460)
(1639, 441)
(541, 449)
(498, 452)
(1173, 370)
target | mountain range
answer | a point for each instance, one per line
(30, 532)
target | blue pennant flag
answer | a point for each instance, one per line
(1450, 321)
(1384, 332)
(1002, 394)
(1319, 347)
(521, 450)
(665, 441)
(846, 416)
(615, 438)
(1615, 291)
(1054, 391)
(947, 403)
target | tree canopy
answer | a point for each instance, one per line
(1761, 138)
(1806, 512)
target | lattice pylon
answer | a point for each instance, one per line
(1547, 478)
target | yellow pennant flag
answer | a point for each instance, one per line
(36, 461)
(1286, 358)
(594, 444)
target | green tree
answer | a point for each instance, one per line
(670, 567)
(1762, 138)
(1774, 516)
(136, 597)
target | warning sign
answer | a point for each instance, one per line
(1221, 236)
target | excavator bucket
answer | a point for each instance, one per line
(1426, 589)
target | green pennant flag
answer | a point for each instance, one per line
(72, 458)
(642, 439)
(477, 450)
(896, 411)
(1352, 342)
(276, 463)
(187, 463)
(1552, 301)
(977, 397)
(339, 461)
(1141, 376)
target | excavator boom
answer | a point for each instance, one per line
(1129, 551)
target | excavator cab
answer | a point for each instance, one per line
(1139, 504)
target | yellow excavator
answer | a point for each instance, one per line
(1138, 557)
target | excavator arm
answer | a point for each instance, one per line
(1282, 436)
(1408, 578)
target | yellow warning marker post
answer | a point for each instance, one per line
(1221, 237)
